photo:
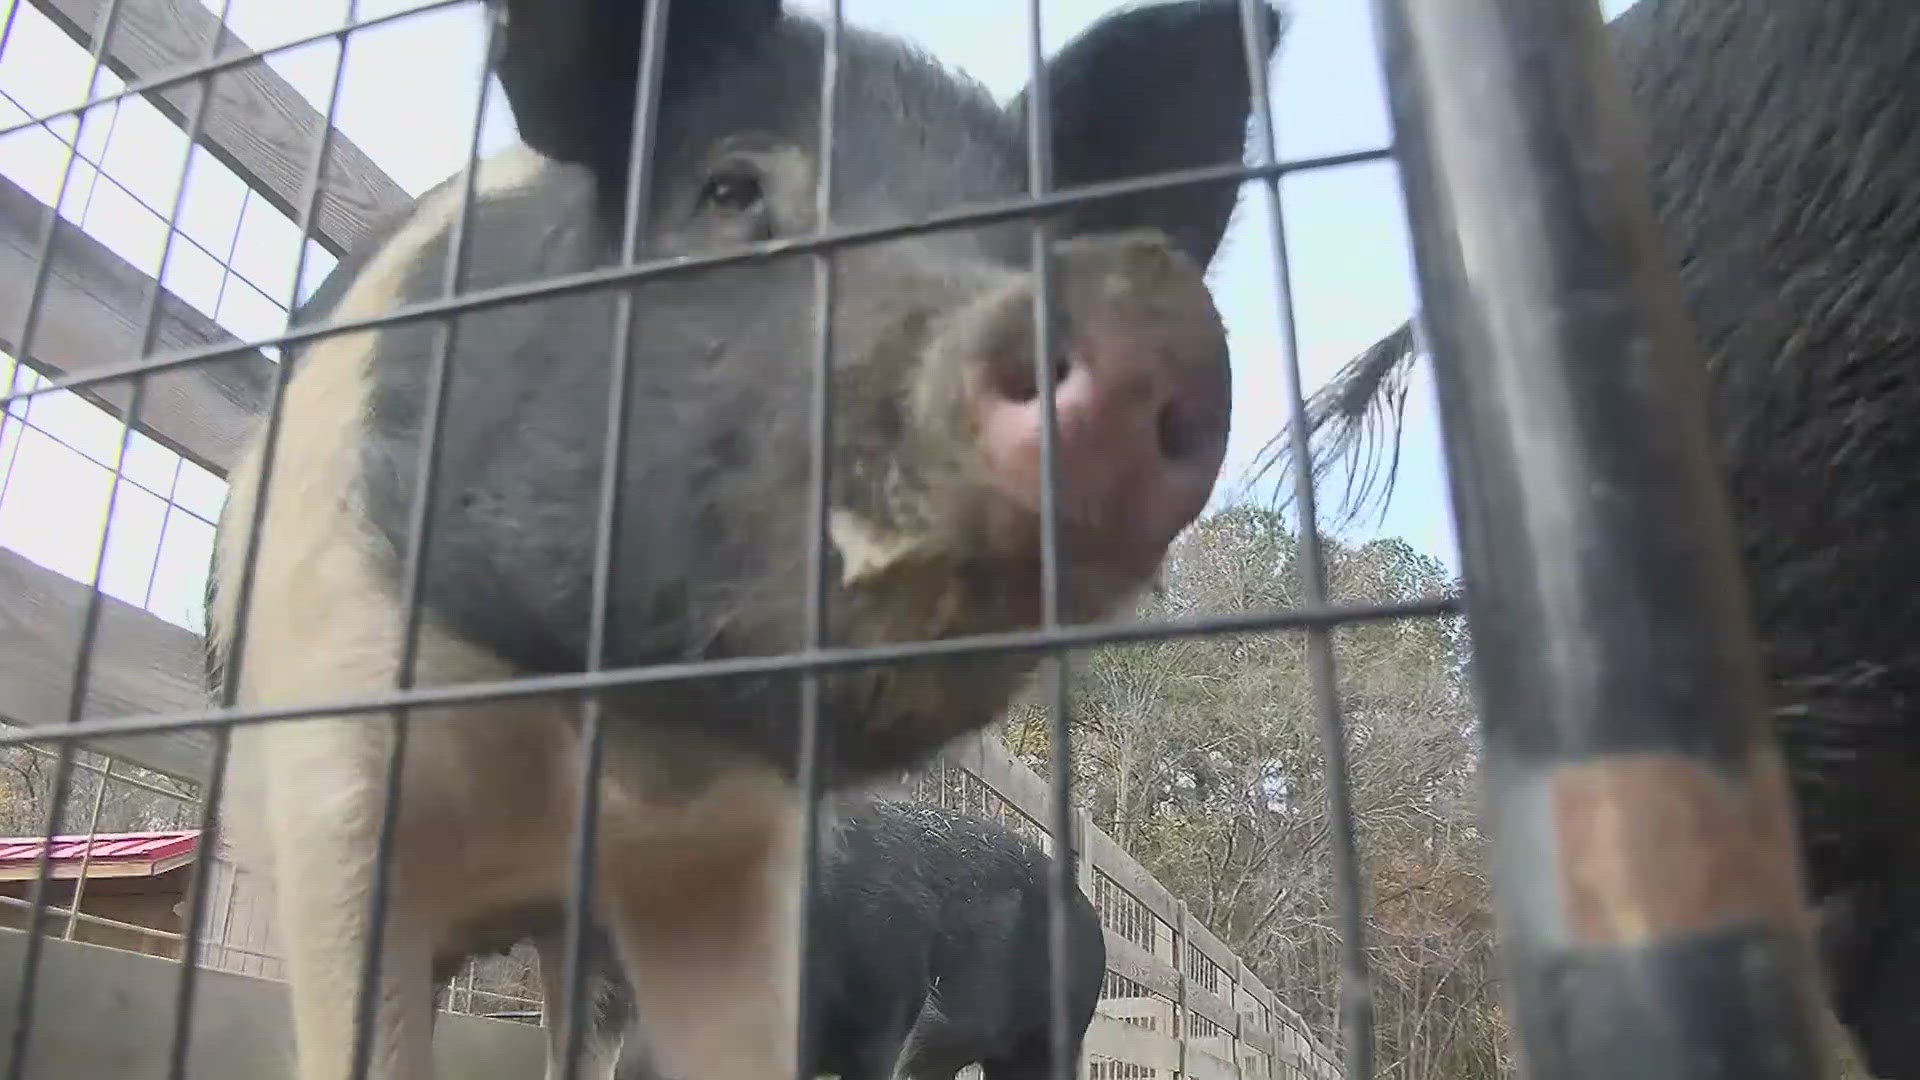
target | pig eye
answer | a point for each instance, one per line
(735, 191)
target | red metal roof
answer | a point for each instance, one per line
(118, 854)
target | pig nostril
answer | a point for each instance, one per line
(1181, 431)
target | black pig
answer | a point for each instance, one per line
(934, 488)
(1784, 148)
(930, 954)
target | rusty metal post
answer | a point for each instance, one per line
(1645, 874)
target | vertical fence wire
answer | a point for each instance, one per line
(150, 329)
(819, 545)
(198, 877)
(1054, 666)
(639, 187)
(49, 233)
(1356, 992)
(233, 663)
(95, 597)
(6, 28)
(20, 367)
(43, 268)
(19, 377)
(413, 574)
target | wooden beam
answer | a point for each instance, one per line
(1111, 859)
(1213, 1006)
(142, 664)
(1137, 965)
(1124, 1042)
(258, 125)
(99, 868)
(1199, 1064)
(988, 758)
(1211, 947)
(91, 317)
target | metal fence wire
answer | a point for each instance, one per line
(1533, 246)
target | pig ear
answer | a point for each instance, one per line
(1150, 90)
(570, 67)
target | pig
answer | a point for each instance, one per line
(609, 1003)
(934, 489)
(930, 954)
(1783, 142)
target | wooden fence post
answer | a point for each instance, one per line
(1236, 1043)
(1256, 1009)
(1083, 877)
(1181, 1024)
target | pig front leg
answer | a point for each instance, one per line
(599, 1051)
(324, 865)
(708, 935)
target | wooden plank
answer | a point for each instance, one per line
(258, 125)
(1251, 985)
(1262, 1041)
(1131, 1043)
(107, 1014)
(1112, 859)
(1214, 1007)
(1156, 1011)
(142, 664)
(1212, 948)
(1293, 1043)
(1203, 1065)
(92, 316)
(1082, 867)
(1289, 1024)
(986, 759)
(1300, 1048)
(1130, 961)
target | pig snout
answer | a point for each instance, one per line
(1142, 392)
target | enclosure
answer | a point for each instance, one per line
(1285, 751)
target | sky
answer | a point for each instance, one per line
(234, 257)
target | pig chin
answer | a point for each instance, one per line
(984, 576)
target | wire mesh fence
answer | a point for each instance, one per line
(823, 682)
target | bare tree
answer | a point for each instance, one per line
(134, 799)
(1202, 757)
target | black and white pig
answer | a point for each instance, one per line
(934, 488)
(930, 954)
(1784, 147)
